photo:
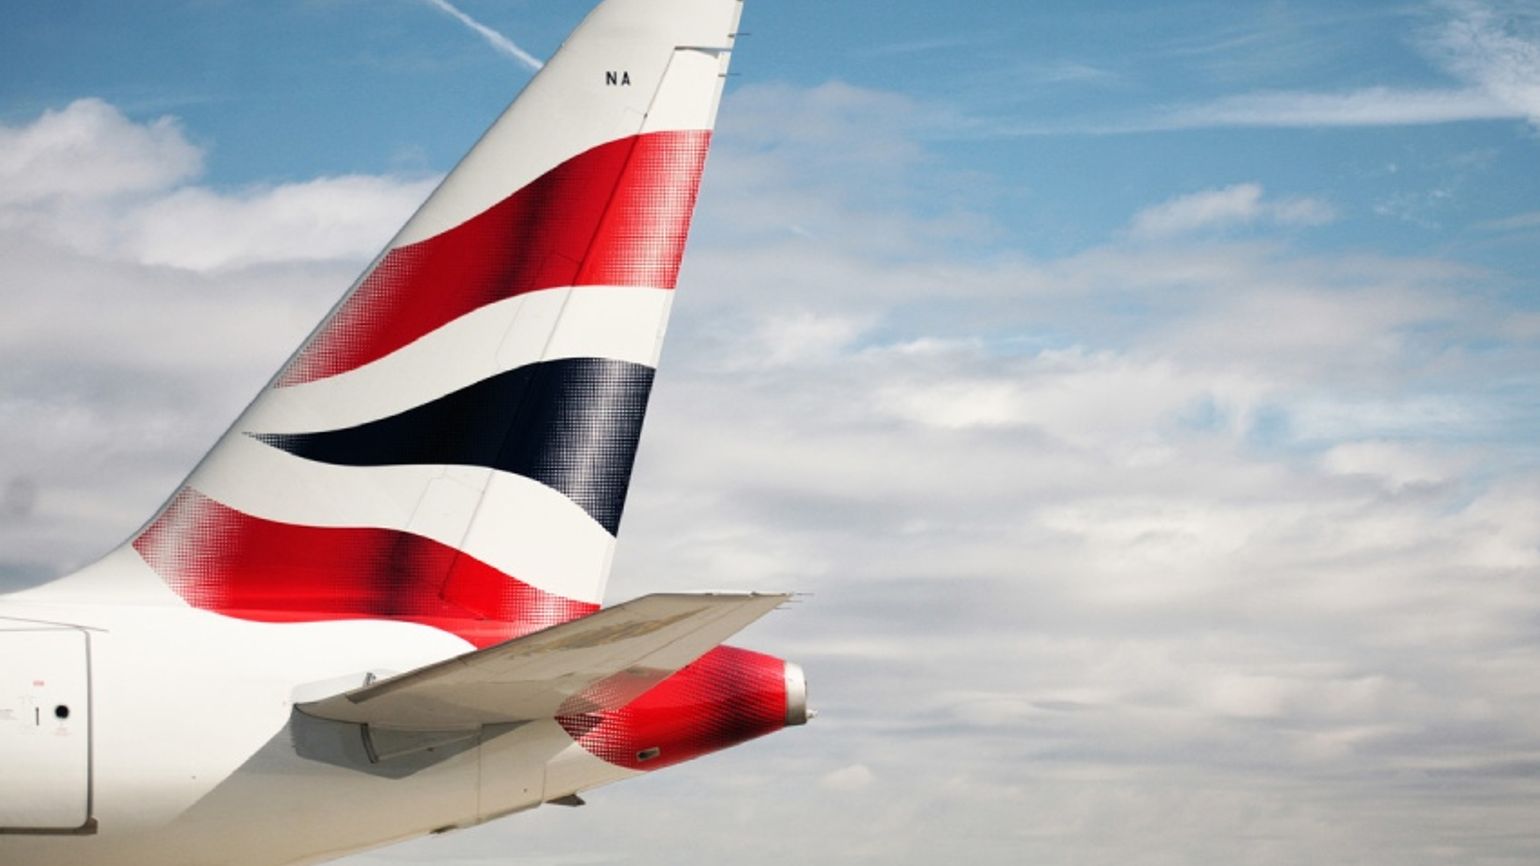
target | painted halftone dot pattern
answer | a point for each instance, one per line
(727, 696)
(618, 214)
(222, 560)
(572, 425)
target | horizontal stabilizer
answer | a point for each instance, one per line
(600, 662)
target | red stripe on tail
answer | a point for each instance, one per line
(615, 215)
(222, 560)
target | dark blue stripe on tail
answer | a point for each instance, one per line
(572, 425)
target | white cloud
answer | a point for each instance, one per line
(1237, 205)
(321, 220)
(1240, 203)
(90, 179)
(795, 338)
(1497, 51)
(1372, 106)
(851, 778)
(1396, 464)
(1492, 49)
(89, 150)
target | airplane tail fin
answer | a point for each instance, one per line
(454, 442)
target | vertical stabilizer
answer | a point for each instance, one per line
(453, 444)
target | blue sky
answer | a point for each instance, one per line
(1022, 95)
(1147, 394)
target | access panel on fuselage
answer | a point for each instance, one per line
(45, 747)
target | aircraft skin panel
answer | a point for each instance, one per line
(267, 571)
(515, 524)
(616, 215)
(119, 579)
(571, 106)
(691, 88)
(174, 788)
(615, 322)
(45, 724)
(597, 663)
(265, 787)
(572, 425)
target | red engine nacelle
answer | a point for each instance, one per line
(725, 697)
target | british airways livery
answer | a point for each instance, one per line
(373, 611)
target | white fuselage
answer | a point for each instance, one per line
(196, 755)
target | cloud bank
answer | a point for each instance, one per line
(1490, 50)
(87, 178)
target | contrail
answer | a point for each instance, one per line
(498, 40)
